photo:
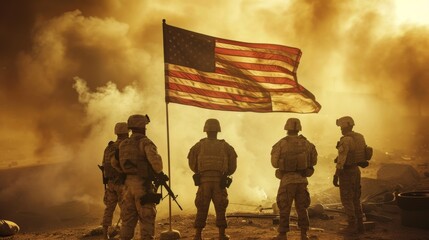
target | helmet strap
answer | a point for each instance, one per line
(139, 130)
(212, 135)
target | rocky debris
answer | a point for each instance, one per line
(397, 173)
(8, 228)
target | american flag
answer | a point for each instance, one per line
(221, 74)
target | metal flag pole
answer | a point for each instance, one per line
(168, 157)
(170, 234)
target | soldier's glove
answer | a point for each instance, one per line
(225, 181)
(197, 179)
(161, 177)
(279, 174)
(307, 172)
(335, 181)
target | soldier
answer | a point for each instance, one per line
(138, 159)
(213, 161)
(113, 179)
(352, 152)
(294, 158)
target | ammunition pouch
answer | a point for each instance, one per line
(368, 153)
(225, 181)
(363, 164)
(150, 198)
(197, 179)
(121, 179)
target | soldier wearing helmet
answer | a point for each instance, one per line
(138, 156)
(294, 158)
(352, 152)
(112, 178)
(213, 161)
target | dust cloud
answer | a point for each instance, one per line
(70, 70)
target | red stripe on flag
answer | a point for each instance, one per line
(260, 79)
(251, 86)
(291, 50)
(261, 55)
(223, 74)
(258, 67)
(217, 106)
(220, 95)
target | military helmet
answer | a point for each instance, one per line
(293, 124)
(121, 128)
(138, 121)
(212, 125)
(345, 122)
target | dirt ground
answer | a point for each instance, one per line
(239, 228)
(80, 221)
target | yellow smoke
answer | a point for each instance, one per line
(75, 69)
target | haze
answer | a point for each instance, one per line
(69, 70)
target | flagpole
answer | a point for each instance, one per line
(168, 157)
(171, 234)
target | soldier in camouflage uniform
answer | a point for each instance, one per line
(351, 154)
(294, 158)
(212, 160)
(113, 178)
(138, 156)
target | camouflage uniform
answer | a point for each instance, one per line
(293, 184)
(136, 155)
(349, 179)
(212, 159)
(113, 178)
(114, 188)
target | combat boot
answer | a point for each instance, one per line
(350, 229)
(222, 235)
(360, 226)
(304, 234)
(198, 232)
(106, 232)
(281, 236)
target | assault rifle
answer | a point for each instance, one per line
(102, 175)
(160, 180)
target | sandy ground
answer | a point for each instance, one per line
(239, 228)
(75, 220)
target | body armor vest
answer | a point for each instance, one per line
(131, 159)
(212, 156)
(109, 152)
(294, 154)
(357, 154)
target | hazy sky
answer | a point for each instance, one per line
(69, 70)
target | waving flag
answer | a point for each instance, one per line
(221, 74)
